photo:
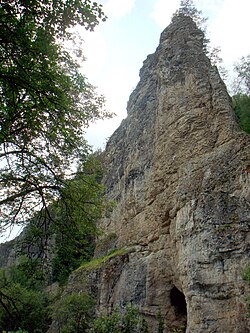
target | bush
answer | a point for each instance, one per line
(241, 103)
(246, 277)
(73, 313)
(127, 321)
(246, 274)
(160, 322)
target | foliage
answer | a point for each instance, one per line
(27, 273)
(45, 102)
(128, 321)
(160, 322)
(18, 331)
(246, 277)
(213, 54)
(241, 87)
(241, 90)
(181, 329)
(187, 8)
(73, 313)
(66, 239)
(97, 262)
(105, 243)
(246, 274)
(69, 256)
(23, 301)
(83, 204)
(241, 104)
(242, 69)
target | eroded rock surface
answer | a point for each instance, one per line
(179, 168)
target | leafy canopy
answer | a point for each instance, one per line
(45, 102)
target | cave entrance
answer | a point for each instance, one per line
(178, 301)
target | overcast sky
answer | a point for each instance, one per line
(116, 50)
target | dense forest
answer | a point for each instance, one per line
(49, 178)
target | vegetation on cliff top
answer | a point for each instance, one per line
(97, 262)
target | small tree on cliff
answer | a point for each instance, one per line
(187, 8)
(45, 103)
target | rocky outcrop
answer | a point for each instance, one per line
(7, 253)
(178, 169)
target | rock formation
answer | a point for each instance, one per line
(178, 169)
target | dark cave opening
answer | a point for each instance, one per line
(179, 302)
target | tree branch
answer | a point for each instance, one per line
(26, 192)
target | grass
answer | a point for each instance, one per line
(97, 262)
(223, 227)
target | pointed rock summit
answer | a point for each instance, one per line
(178, 170)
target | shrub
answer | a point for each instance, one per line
(24, 304)
(73, 313)
(127, 321)
(246, 274)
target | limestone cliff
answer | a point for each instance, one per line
(178, 169)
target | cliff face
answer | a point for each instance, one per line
(178, 168)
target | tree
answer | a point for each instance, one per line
(241, 104)
(66, 239)
(73, 312)
(241, 90)
(127, 320)
(23, 301)
(187, 8)
(242, 82)
(45, 103)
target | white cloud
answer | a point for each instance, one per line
(96, 53)
(118, 8)
(229, 30)
(116, 90)
(163, 11)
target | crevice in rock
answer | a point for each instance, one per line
(178, 301)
